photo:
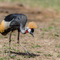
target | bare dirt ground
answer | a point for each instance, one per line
(46, 43)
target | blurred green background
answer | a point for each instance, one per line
(55, 4)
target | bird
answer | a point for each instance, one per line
(17, 22)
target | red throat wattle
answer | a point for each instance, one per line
(26, 31)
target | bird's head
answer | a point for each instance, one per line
(31, 27)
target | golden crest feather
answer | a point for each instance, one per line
(32, 25)
(2, 26)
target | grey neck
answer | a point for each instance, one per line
(24, 30)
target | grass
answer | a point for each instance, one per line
(5, 37)
(19, 59)
(12, 40)
(24, 42)
(51, 31)
(15, 45)
(57, 46)
(49, 55)
(45, 29)
(39, 52)
(55, 4)
(14, 49)
(58, 56)
(50, 27)
(1, 36)
(14, 34)
(1, 58)
(35, 46)
(7, 47)
(12, 57)
(56, 35)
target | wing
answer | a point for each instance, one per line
(20, 20)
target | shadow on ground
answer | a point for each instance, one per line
(24, 54)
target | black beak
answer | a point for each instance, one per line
(31, 34)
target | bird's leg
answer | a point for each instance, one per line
(18, 40)
(10, 41)
(21, 44)
(27, 52)
(9, 44)
(18, 37)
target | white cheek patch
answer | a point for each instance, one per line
(29, 30)
(7, 24)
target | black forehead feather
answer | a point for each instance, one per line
(32, 30)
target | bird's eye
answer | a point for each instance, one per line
(31, 30)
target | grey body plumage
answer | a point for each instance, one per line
(16, 22)
(19, 22)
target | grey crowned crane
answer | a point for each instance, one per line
(16, 22)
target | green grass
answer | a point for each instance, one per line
(35, 46)
(1, 58)
(12, 57)
(19, 59)
(1, 36)
(57, 35)
(7, 47)
(12, 40)
(40, 3)
(45, 29)
(49, 55)
(24, 42)
(50, 27)
(39, 52)
(15, 45)
(57, 46)
(58, 56)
